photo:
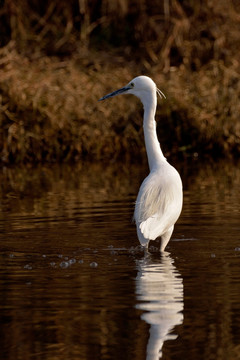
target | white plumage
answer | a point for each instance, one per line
(159, 201)
(158, 204)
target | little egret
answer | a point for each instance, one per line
(159, 201)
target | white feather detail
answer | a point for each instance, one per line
(159, 203)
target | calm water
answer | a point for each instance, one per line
(76, 285)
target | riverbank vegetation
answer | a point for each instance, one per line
(57, 59)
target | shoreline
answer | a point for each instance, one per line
(50, 110)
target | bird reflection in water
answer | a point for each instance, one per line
(159, 290)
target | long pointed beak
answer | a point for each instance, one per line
(114, 93)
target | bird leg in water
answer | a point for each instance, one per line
(165, 238)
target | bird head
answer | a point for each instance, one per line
(139, 86)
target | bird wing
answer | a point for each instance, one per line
(147, 226)
(156, 225)
(157, 207)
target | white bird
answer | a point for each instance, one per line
(159, 201)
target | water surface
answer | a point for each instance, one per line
(75, 284)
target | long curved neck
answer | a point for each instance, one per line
(154, 152)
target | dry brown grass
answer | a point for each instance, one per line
(209, 102)
(49, 109)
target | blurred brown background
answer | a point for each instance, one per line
(58, 58)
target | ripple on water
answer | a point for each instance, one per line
(57, 225)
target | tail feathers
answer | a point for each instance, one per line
(151, 228)
(143, 241)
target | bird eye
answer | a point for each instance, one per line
(132, 84)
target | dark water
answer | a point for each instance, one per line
(76, 285)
